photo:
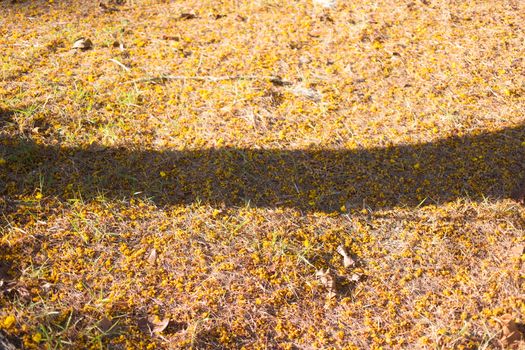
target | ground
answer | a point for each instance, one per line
(184, 175)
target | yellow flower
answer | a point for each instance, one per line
(37, 337)
(9, 321)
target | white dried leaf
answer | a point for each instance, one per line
(328, 280)
(152, 257)
(305, 59)
(82, 44)
(306, 92)
(326, 3)
(355, 277)
(347, 259)
(157, 325)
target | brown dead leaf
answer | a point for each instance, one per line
(512, 336)
(187, 16)
(105, 325)
(106, 8)
(171, 37)
(118, 44)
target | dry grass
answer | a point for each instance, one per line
(206, 158)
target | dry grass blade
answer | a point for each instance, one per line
(127, 69)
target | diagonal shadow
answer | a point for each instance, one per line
(473, 166)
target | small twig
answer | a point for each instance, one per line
(127, 69)
(274, 79)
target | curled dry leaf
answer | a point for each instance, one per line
(153, 324)
(82, 44)
(152, 257)
(512, 336)
(347, 259)
(328, 280)
(157, 324)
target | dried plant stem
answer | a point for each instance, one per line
(127, 69)
(163, 78)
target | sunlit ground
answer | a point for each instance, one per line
(185, 177)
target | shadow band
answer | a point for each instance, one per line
(474, 166)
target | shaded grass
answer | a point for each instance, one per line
(478, 167)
